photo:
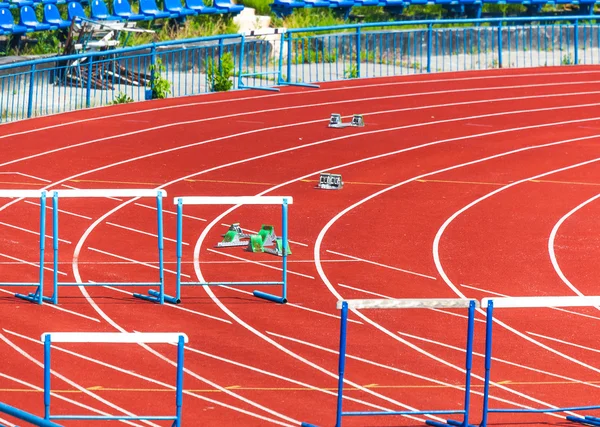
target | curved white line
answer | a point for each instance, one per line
(551, 246)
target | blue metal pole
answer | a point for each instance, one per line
(26, 416)
(500, 44)
(358, 47)
(31, 86)
(576, 43)
(47, 346)
(342, 362)
(289, 57)
(241, 64)
(429, 46)
(55, 246)
(469, 361)
(284, 241)
(88, 88)
(179, 390)
(488, 361)
(40, 296)
(179, 247)
(159, 215)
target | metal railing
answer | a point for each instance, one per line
(296, 56)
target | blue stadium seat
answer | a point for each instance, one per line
(149, 8)
(75, 10)
(122, 9)
(226, 6)
(29, 20)
(198, 6)
(21, 3)
(7, 23)
(52, 17)
(343, 3)
(100, 12)
(367, 3)
(174, 6)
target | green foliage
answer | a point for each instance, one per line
(567, 59)
(260, 6)
(161, 87)
(121, 98)
(219, 78)
(351, 72)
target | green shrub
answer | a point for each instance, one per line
(161, 87)
(219, 78)
(121, 98)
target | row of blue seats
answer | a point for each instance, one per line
(99, 11)
(285, 7)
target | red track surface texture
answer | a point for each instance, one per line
(471, 184)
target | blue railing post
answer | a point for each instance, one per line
(499, 44)
(220, 55)
(152, 71)
(241, 64)
(31, 86)
(576, 43)
(358, 51)
(88, 89)
(47, 346)
(289, 57)
(429, 45)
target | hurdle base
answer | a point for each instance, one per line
(34, 298)
(269, 297)
(270, 89)
(448, 423)
(588, 420)
(308, 425)
(282, 83)
(167, 298)
(151, 297)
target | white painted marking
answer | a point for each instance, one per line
(116, 337)
(289, 304)
(133, 261)
(170, 212)
(135, 230)
(382, 265)
(595, 350)
(33, 264)
(37, 233)
(49, 207)
(25, 175)
(260, 263)
(177, 307)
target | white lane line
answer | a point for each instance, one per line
(506, 362)
(595, 350)
(289, 304)
(388, 297)
(177, 307)
(33, 264)
(260, 263)
(154, 381)
(170, 212)
(133, 261)
(256, 232)
(37, 233)
(7, 423)
(382, 265)
(49, 207)
(564, 310)
(56, 307)
(135, 230)
(74, 384)
(26, 176)
(552, 238)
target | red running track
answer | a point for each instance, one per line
(470, 184)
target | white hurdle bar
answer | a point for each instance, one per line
(115, 338)
(155, 296)
(362, 304)
(37, 296)
(234, 200)
(530, 302)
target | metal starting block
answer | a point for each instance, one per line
(234, 237)
(278, 250)
(330, 181)
(265, 237)
(336, 121)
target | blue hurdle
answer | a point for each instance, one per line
(26, 416)
(155, 296)
(234, 200)
(115, 338)
(37, 296)
(453, 303)
(530, 302)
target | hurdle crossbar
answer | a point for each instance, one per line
(360, 304)
(115, 338)
(530, 302)
(234, 200)
(155, 296)
(37, 296)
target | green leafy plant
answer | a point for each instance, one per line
(351, 72)
(567, 59)
(219, 76)
(161, 87)
(121, 98)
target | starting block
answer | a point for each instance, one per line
(330, 181)
(265, 237)
(336, 121)
(278, 250)
(234, 237)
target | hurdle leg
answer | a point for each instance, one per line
(38, 295)
(284, 242)
(177, 298)
(179, 388)
(47, 346)
(341, 363)
(55, 248)
(488, 361)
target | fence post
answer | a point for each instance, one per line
(358, 51)
(152, 72)
(31, 84)
(220, 55)
(500, 44)
(429, 45)
(576, 43)
(88, 89)
(241, 64)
